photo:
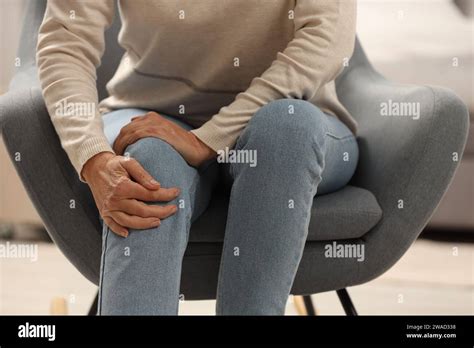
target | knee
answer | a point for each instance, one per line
(169, 168)
(293, 124)
(159, 159)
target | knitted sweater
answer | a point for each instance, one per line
(212, 63)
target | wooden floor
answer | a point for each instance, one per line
(432, 278)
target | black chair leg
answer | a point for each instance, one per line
(346, 302)
(308, 304)
(93, 308)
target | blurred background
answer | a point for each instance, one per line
(424, 42)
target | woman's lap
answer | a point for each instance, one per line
(162, 157)
(115, 120)
(328, 159)
(341, 155)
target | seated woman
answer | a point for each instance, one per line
(199, 79)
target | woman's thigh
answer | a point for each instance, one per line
(341, 156)
(341, 152)
(130, 284)
(115, 120)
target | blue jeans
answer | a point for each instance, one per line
(300, 152)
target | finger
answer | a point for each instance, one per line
(115, 227)
(135, 222)
(130, 189)
(121, 143)
(162, 195)
(125, 137)
(153, 113)
(129, 127)
(138, 208)
(132, 137)
(137, 172)
(137, 118)
(118, 145)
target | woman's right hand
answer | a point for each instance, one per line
(120, 199)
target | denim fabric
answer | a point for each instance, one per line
(300, 152)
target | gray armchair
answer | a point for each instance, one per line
(405, 168)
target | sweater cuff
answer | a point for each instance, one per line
(87, 150)
(214, 137)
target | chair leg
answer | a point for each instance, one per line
(58, 306)
(304, 305)
(93, 308)
(346, 302)
(308, 303)
(299, 305)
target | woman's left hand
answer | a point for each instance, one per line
(193, 150)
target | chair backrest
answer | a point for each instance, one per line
(113, 52)
(111, 58)
(34, 13)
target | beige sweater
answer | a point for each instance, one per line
(212, 63)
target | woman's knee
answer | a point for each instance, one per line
(161, 160)
(169, 168)
(290, 123)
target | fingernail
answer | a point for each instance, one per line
(178, 191)
(125, 235)
(175, 209)
(154, 182)
(157, 222)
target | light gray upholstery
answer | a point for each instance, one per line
(400, 159)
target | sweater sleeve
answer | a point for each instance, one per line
(70, 47)
(324, 36)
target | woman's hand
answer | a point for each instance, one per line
(194, 151)
(120, 200)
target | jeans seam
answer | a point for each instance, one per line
(219, 292)
(219, 283)
(348, 136)
(103, 268)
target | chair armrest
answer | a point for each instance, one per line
(407, 164)
(24, 79)
(50, 180)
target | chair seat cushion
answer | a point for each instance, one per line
(346, 214)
